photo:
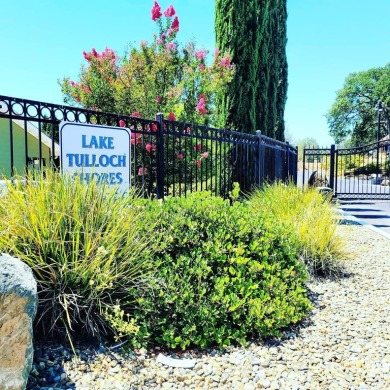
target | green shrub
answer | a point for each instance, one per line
(367, 169)
(224, 276)
(309, 218)
(386, 167)
(83, 244)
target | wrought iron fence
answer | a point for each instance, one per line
(359, 172)
(168, 157)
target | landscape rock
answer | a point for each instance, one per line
(168, 361)
(18, 306)
(343, 344)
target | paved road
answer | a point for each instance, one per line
(375, 213)
(372, 212)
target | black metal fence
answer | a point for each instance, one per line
(361, 172)
(168, 157)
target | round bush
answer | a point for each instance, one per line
(223, 276)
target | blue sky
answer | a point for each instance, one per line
(43, 40)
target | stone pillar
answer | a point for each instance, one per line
(18, 307)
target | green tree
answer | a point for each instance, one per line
(306, 143)
(353, 113)
(253, 32)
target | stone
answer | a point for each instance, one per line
(385, 182)
(266, 384)
(168, 361)
(18, 307)
(344, 346)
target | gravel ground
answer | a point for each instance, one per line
(344, 344)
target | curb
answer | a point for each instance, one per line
(363, 223)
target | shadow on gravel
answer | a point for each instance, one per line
(348, 222)
(48, 368)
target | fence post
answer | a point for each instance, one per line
(288, 160)
(296, 167)
(304, 166)
(160, 172)
(258, 160)
(332, 166)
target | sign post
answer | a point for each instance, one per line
(94, 152)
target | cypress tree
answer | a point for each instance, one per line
(254, 33)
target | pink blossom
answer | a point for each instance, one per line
(175, 24)
(225, 62)
(87, 90)
(154, 127)
(171, 116)
(217, 52)
(108, 54)
(171, 46)
(72, 83)
(136, 139)
(169, 32)
(198, 163)
(122, 123)
(159, 41)
(158, 99)
(149, 147)
(201, 108)
(163, 36)
(87, 56)
(95, 53)
(205, 154)
(202, 67)
(198, 147)
(180, 156)
(188, 130)
(169, 94)
(142, 171)
(136, 114)
(144, 43)
(156, 11)
(169, 12)
(200, 54)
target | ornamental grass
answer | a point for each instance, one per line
(310, 218)
(83, 244)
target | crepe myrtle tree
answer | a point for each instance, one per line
(158, 76)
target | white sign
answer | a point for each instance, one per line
(94, 152)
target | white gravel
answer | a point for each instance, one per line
(344, 344)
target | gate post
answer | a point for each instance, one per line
(160, 172)
(332, 166)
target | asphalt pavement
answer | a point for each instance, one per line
(371, 212)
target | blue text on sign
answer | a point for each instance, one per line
(97, 142)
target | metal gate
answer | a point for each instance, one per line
(361, 172)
